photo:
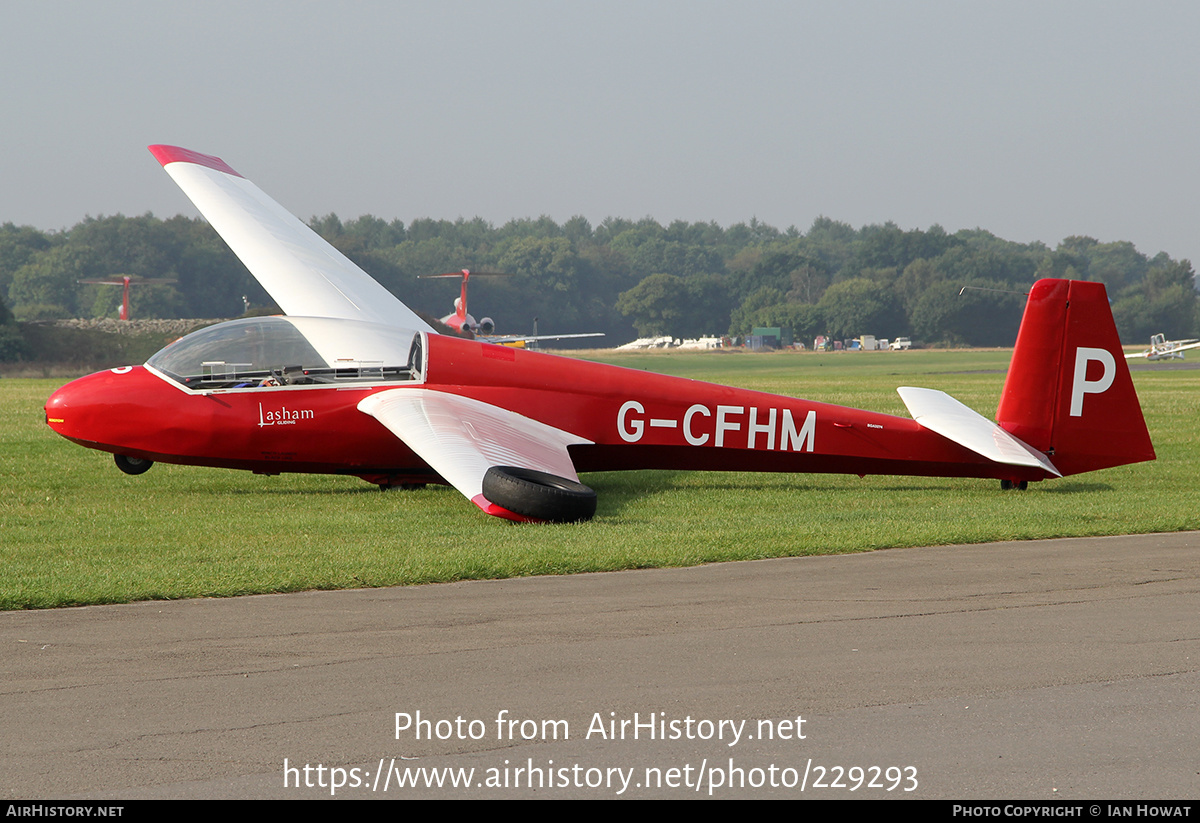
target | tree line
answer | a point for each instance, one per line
(622, 277)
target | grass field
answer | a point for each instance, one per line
(74, 530)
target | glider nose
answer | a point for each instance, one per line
(75, 410)
(66, 408)
(59, 405)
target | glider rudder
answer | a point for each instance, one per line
(1069, 393)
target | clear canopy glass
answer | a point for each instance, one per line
(277, 351)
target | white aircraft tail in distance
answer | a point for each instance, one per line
(485, 329)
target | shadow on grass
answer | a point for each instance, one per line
(310, 489)
(1076, 487)
(618, 491)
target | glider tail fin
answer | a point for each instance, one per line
(1069, 393)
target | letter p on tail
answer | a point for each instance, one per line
(1080, 385)
(1068, 391)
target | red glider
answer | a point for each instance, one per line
(351, 381)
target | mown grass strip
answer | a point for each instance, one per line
(74, 530)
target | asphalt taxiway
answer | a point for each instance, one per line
(1050, 669)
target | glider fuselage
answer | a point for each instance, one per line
(634, 420)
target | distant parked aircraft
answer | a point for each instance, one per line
(1163, 349)
(461, 320)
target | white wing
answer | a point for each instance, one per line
(461, 438)
(1168, 350)
(502, 339)
(941, 413)
(303, 274)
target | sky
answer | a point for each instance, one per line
(1032, 120)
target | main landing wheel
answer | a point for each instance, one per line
(132, 465)
(539, 495)
(1019, 485)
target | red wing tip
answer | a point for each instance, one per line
(175, 154)
(488, 507)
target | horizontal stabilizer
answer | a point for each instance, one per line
(941, 413)
(461, 438)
